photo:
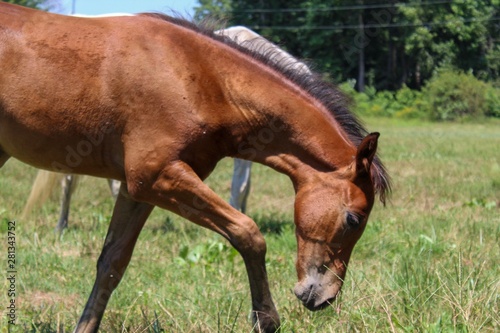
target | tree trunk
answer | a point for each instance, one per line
(404, 72)
(418, 78)
(361, 59)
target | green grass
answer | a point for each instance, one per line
(428, 262)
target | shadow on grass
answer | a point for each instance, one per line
(268, 224)
(272, 224)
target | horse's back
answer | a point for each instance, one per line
(66, 79)
(47, 88)
(144, 83)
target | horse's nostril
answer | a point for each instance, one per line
(322, 269)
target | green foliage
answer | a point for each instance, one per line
(404, 103)
(38, 4)
(481, 203)
(214, 9)
(492, 101)
(206, 253)
(398, 42)
(452, 95)
(449, 95)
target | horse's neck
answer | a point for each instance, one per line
(281, 126)
(266, 117)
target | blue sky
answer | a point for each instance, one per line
(95, 7)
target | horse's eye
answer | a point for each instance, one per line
(353, 220)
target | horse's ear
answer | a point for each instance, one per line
(365, 154)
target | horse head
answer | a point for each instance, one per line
(331, 212)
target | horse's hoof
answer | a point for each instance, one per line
(266, 323)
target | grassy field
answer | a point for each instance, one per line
(428, 262)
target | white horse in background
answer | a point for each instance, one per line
(46, 181)
(240, 185)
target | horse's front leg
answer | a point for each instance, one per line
(126, 224)
(180, 190)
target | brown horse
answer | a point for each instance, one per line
(156, 102)
(46, 181)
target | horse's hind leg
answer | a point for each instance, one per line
(126, 224)
(68, 184)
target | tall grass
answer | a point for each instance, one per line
(428, 262)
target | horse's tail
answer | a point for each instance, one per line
(43, 187)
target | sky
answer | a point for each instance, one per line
(96, 7)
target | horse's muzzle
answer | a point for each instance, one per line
(314, 296)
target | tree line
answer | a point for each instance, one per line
(37, 4)
(383, 44)
(386, 45)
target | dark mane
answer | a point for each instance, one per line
(335, 101)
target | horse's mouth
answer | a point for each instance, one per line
(313, 306)
(312, 300)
